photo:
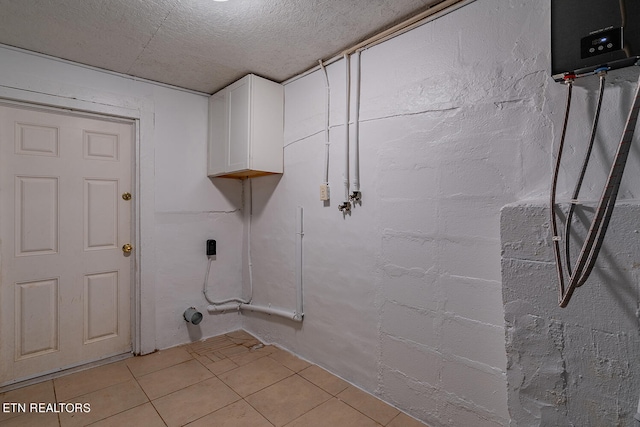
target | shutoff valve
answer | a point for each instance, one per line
(345, 207)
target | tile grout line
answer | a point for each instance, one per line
(356, 409)
(331, 396)
(214, 376)
(145, 393)
(244, 398)
(117, 413)
(198, 382)
(236, 349)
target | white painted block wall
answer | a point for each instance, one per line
(577, 365)
(404, 297)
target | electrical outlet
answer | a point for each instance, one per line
(324, 192)
(211, 247)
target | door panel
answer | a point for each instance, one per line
(101, 146)
(100, 214)
(65, 284)
(36, 140)
(36, 218)
(36, 308)
(101, 306)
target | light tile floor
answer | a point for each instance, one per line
(231, 380)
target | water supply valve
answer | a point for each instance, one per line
(345, 207)
(355, 196)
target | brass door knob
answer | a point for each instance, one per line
(127, 248)
(126, 196)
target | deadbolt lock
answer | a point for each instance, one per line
(126, 196)
(127, 248)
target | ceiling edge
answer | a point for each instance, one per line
(103, 70)
(432, 13)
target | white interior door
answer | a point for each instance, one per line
(65, 280)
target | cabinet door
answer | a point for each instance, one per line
(218, 140)
(238, 120)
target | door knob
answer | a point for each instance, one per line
(127, 248)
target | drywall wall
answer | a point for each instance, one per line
(578, 365)
(403, 297)
(179, 206)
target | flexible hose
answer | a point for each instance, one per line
(598, 228)
(554, 185)
(585, 163)
(599, 225)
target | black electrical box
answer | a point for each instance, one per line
(211, 247)
(591, 34)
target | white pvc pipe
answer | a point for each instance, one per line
(296, 315)
(205, 287)
(250, 209)
(347, 71)
(288, 314)
(223, 307)
(327, 99)
(356, 131)
(205, 290)
(299, 234)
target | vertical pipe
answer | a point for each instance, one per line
(356, 131)
(347, 70)
(299, 234)
(250, 214)
(327, 100)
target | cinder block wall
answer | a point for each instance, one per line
(578, 365)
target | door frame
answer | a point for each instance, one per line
(143, 125)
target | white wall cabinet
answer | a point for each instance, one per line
(246, 129)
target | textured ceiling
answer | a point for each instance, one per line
(198, 44)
